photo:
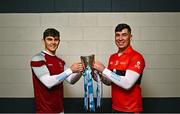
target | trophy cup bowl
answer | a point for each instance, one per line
(88, 60)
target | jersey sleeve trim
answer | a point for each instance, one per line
(37, 63)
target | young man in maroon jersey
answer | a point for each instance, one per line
(124, 73)
(49, 72)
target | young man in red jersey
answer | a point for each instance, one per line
(124, 73)
(49, 72)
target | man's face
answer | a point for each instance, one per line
(122, 39)
(51, 44)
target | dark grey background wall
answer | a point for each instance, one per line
(48, 6)
(151, 105)
(26, 105)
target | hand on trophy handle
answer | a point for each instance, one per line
(77, 67)
(99, 66)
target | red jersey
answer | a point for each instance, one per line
(48, 100)
(127, 100)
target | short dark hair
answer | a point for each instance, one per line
(122, 26)
(51, 32)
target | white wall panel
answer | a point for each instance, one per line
(19, 20)
(155, 35)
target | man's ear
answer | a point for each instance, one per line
(131, 37)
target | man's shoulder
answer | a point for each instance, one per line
(38, 57)
(137, 54)
(113, 54)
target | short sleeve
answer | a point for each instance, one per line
(137, 64)
(37, 60)
(38, 65)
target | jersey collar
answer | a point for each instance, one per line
(127, 50)
(44, 51)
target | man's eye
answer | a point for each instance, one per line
(124, 34)
(117, 35)
(56, 39)
(49, 39)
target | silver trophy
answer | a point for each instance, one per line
(88, 73)
(88, 60)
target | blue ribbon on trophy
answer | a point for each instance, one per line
(89, 103)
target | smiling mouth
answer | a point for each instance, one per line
(120, 43)
(53, 46)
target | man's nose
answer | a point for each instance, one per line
(53, 41)
(119, 37)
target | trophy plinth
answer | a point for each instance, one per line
(88, 60)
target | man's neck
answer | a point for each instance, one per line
(122, 50)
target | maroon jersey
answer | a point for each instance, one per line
(127, 100)
(47, 100)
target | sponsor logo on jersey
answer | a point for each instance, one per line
(60, 64)
(50, 65)
(122, 63)
(137, 65)
(117, 63)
